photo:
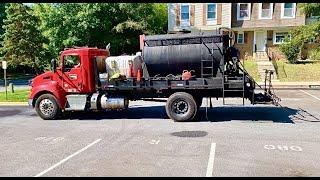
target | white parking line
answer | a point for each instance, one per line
(310, 95)
(211, 160)
(67, 158)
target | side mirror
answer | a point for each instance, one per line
(53, 65)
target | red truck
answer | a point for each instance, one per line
(184, 68)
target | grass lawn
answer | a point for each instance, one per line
(304, 71)
(252, 69)
(17, 96)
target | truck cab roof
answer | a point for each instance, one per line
(86, 51)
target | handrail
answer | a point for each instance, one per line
(231, 34)
(272, 58)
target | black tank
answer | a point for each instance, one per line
(173, 53)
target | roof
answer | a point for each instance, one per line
(181, 36)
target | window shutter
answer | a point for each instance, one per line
(245, 34)
(192, 17)
(178, 15)
(236, 37)
(219, 13)
(204, 14)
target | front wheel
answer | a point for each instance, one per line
(181, 107)
(47, 107)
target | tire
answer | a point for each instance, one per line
(47, 107)
(181, 107)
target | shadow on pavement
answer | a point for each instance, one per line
(153, 112)
(274, 114)
(216, 114)
(7, 113)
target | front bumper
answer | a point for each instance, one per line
(30, 102)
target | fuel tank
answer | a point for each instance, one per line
(114, 102)
(174, 53)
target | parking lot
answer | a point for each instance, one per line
(250, 140)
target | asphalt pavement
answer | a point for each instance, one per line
(233, 140)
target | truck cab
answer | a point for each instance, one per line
(75, 75)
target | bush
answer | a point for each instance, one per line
(315, 54)
(292, 46)
(290, 50)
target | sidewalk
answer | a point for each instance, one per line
(293, 85)
(17, 84)
(16, 87)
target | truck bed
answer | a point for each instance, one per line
(212, 87)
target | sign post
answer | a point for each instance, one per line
(4, 67)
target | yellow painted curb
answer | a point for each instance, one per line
(14, 104)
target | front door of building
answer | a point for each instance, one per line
(260, 40)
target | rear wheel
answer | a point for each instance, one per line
(47, 107)
(181, 107)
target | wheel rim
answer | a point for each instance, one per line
(46, 107)
(180, 107)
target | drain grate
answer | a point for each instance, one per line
(190, 133)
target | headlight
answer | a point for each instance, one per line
(248, 84)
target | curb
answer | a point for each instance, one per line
(14, 104)
(294, 85)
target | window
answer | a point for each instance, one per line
(71, 61)
(279, 37)
(185, 15)
(288, 10)
(211, 14)
(265, 10)
(243, 11)
(240, 39)
(312, 16)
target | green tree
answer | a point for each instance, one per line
(2, 17)
(136, 19)
(158, 21)
(22, 41)
(97, 24)
(302, 34)
(310, 8)
(56, 26)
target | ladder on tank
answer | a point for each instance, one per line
(226, 81)
(207, 64)
(207, 70)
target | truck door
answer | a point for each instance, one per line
(72, 79)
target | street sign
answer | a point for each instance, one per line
(4, 64)
(4, 67)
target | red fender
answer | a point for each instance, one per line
(51, 87)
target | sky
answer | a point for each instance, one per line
(28, 4)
